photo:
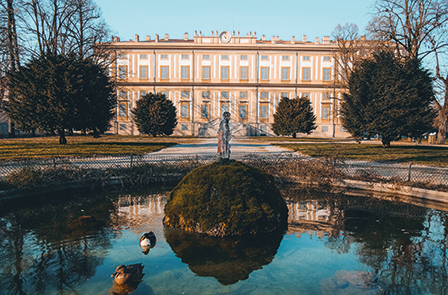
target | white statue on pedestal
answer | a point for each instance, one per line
(224, 136)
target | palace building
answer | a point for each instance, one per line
(246, 76)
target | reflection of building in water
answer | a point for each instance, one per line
(313, 219)
(136, 212)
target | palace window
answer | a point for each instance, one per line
(243, 111)
(164, 56)
(306, 74)
(184, 110)
(184, 127)
(143, 93)
(324, 128)
(205, 56)
(243, 57)
(205, 111)
(285, 57)
(224, 57)
(143, 56)
(185, 72)
(206, 73)
(224, 73)
(263, 111)
(264, 57)
(185, 94)
(264, 95)
(243, 73)
(185, 56)
(122, 72)
(143, 72)
(326, 74)
(122, 56)
(243, 94)
(122, 110)
(224, 108)
(205, 94)
(306, 57)
(285, 73)
(284, 94)
(326, 95)
(327, 58)
(264, 73)
(164, 72)
(224, 94)
(325, 112)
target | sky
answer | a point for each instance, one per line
(283, 18)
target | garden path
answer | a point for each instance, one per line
(208, 146)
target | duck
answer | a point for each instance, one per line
(147, 241)
(128, 274)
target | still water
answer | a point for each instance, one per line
(335, 244)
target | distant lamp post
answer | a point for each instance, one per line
(333, 113)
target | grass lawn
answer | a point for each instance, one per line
(298, 139)
(79, 146)
(418, 154)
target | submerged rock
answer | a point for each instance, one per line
(224, 199)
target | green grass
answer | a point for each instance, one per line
(298, 139)
(417, 154)
(80, 146)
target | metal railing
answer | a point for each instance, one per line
(361, 169)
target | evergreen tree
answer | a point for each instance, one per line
(388, 97)
(294, 116)
(96, 98)
(59, 93)
(154, 114)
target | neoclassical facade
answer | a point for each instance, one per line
(244, 75)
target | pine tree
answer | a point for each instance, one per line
(388, 97)
(59, 93)
(154, 114)
(294, 116)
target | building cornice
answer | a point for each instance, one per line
(223, 85)
(129, 46)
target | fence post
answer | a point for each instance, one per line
(132, 159)
(409, 174)
(54, 161)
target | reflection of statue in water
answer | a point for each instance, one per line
(224, 136)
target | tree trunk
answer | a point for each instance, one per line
(62, 139)
(386, 142)
(442, 124)
(294, 135)
(96, 134)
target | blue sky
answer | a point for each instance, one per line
(283, 18)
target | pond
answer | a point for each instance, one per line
(335, 244)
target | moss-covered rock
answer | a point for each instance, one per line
(224, 199)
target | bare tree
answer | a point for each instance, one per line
(417, 29)
(63, 26)
(352, 48)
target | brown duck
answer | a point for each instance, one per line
(128, 274)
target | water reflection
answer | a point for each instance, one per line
(55, 246)
(229, 259)
(404, 245)
(338, 243)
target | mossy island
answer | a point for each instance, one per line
(226, 198)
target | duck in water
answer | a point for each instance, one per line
(147, 241)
